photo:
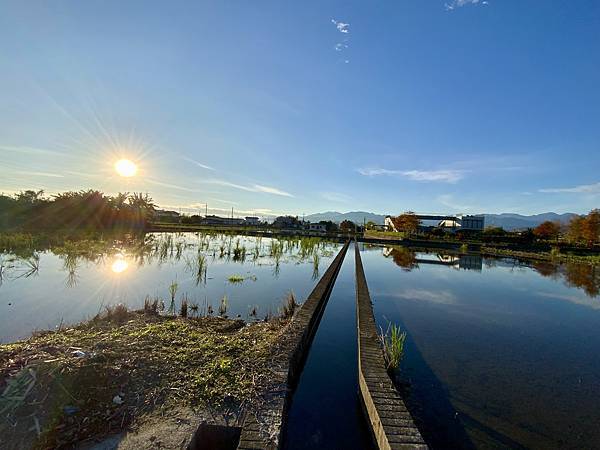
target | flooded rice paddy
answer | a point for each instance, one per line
(499, 353)
(67, 283)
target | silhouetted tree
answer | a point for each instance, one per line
(347, 225)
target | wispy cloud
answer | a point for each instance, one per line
(336, 197)
(581, 189)
(271, 190)
(31, 150)
(460, 3)
(40, 174)
(199, 164)
(253, 188)
(171, 186)
(444, 176)
(448, 201)
(194, 208)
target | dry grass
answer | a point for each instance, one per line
(61, 387)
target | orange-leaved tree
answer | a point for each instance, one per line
(407, 222)
(547, 230)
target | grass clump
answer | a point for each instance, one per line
(392, 342)
(237, 279)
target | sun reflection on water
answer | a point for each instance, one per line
(119, 265)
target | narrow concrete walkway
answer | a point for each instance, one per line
(391, 423)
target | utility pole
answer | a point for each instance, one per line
(205, 209)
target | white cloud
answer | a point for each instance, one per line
(581, 189)
(271, 190)
(444, 176)
(341, 26)
(460, 3)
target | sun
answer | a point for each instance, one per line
(126, 168)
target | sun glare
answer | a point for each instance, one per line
(125, 168)
(119, 265)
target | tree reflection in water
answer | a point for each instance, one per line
(580, 275)
(403, 257)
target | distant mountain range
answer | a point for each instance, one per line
(507, 221)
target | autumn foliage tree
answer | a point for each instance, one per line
(547, 230)
(407, 222)
(585, 229)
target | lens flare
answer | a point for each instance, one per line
(126, 168)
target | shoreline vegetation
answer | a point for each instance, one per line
(110, 374)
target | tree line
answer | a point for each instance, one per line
(91, 209)
(581, 230)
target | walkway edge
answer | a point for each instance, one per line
(391, 424)
(264, 429)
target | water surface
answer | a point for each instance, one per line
(74, 281)
(499, 353)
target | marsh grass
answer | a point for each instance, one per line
(392, 342)
(116, 313)
(315, 263)
(223, 306)
(173, 287)
(183, 309)
(151, 305)
(288, 306)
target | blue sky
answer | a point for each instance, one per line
(300, 107)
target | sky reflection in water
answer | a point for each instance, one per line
(499, 354)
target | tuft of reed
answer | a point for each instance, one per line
(392, 342)
(223, 306)
(118, 313)
(289, 306)
(151, 306)
(253, 311)
(315, 262)
(183, 309)
(173, 291)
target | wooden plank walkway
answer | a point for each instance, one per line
(386, 413)
(263, 429)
